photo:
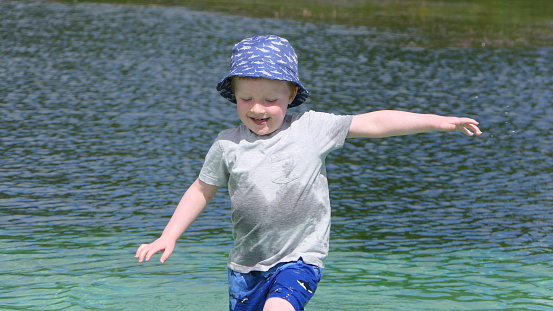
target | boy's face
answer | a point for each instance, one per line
(262, 103)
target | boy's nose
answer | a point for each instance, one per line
(258, 108)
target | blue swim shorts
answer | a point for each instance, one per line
(294, 281)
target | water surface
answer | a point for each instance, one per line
(108, 110)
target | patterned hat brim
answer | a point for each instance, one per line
(225, 90)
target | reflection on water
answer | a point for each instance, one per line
(107, 112)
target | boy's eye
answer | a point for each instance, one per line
(246, 99)
(270, 100)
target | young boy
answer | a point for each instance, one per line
(274, 168)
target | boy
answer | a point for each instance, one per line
(274, 168)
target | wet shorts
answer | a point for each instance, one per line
(293, 281)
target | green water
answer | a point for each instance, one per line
(108, 110)
(434, 23)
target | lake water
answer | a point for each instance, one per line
(107, 112)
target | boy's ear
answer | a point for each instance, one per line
(294, 93)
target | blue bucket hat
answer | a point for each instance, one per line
(270, 57)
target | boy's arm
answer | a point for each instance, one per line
(192, 203)
(386, 123)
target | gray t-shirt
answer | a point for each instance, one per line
(278, 189)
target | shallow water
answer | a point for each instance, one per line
(107, 112)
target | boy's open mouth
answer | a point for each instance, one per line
(259, 121)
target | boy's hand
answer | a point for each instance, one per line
(146, 251)
(466, 126)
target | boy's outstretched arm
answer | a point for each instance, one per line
(192, 203)
(386, 123)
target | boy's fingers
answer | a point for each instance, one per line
(143, 253)
(164, 257)
(166, 254)
(473, 129)
(468, 128)
(149, 254)
(138, 251)
(141, 256)
(146, 251)
(468, 121)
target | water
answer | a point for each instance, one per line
(107, 112)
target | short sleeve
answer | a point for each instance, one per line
(331, 129)
(215, 171)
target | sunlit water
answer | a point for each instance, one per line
(107, 112)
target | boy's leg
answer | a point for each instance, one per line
(278, 304)
(293, 285)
